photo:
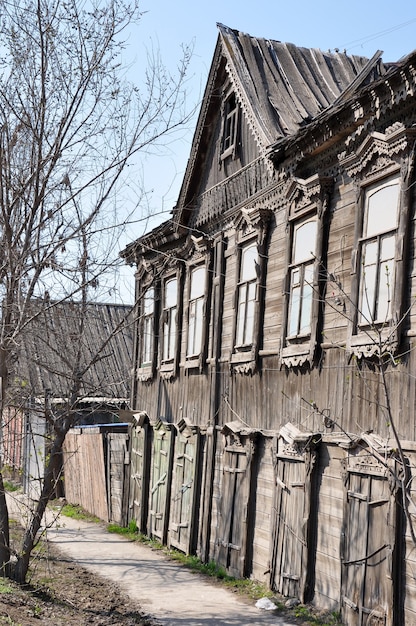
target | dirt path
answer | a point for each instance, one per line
(171, 594)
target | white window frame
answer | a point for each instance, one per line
(246, 296)
(377, 253)
(148, 328)
(302, 279)
(196, 308)
(169, 319)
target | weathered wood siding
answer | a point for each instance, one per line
(140, 451)
(117, 477)
(85, 472)
(329, 517)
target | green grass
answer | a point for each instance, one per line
(331, 619)
(9, 486)
(4, 587)
(77, 512)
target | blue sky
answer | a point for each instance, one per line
(359, 26)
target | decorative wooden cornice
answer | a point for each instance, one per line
(377, 150)
(311, 192)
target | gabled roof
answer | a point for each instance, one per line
(281, 88)
(47, 354)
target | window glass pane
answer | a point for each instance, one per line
(368, 291)
(148, 301)
(169, 324)
(248, 263)
(304, 241)
(171, 292)
(197, 283)
(387, 248)
(385, 291)
(382, 207)
(241, 315)
(147, 326)
(307, 296)
(199, 325)
(294, 311)
(370, 253)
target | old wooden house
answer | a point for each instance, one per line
(274, 357)
(61, 341)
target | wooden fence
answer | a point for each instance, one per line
(317, 518)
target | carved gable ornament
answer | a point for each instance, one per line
(377, 151)
(252, 221)
(305, 194)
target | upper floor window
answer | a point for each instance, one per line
(196, 312)
(301, 282)
(246, 295)
(378, 248)
(148, 327)
(230, 126)
(169, 317)
(309, 201)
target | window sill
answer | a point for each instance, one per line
(167, 370)
(243, 362)
(369, 343)
(229, 152)
(192, 362)
(296, 354)
(144, 373)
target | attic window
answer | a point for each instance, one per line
(230, 127)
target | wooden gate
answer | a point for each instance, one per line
(160, 488)
(117, 464)
(235, 506)
(291, 568)
(368, 538)
(185, 483)
(140, 441)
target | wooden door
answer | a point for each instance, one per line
(291, 566)
(117, 461)
(368, 543)
(235, 507)
(163, 437)
(140, 439)
(185, 480)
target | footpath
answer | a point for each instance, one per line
(166, 591)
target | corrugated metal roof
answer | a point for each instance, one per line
(54, 345)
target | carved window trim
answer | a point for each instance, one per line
(308, 201)
(147, 321)
(252, 229)
(170, 325)
(197, 307)
(378, 158)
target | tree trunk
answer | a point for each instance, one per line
(4, 532)
(31, 533)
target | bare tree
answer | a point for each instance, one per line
(70, 124)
